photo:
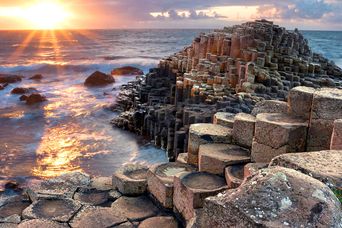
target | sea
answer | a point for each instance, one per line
(72, 130)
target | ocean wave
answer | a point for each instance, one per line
(84, 66)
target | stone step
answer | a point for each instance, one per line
(190, 190)
(277, 133)
(206, 134)
(214, 158)
(160, 181)
(225, 119)
(325, 166)
(243, 130)
(336, 139)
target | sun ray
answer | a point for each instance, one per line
(26, 42)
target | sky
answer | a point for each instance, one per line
(103, 14)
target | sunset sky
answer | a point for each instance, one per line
(97, 14)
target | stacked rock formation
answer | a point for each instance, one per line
(229, 70)
(242, 171)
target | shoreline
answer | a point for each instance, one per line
(249, 117)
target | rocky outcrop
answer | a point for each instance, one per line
(99, 79)
(127, 70)
(36, 77)
(33, 98)
(7, 78)
(274, 197)
(229, 70)
(20, 90)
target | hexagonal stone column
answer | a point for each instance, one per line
(205, 134)
(214, 158)
(234, 176)
(270, 199)
(336, 139)
(59, 210)
(225, 119)
(325, 166)
(300, 101)
(269, 106)
(135, 208)
(41, 223)
(160, 221)
(160, 181)
(90, 217)
(326, 108)
(243, 130)
(190, 190)
(276, 134)
(131, 179)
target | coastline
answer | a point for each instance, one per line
(235, 121)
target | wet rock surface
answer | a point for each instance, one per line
(34, 98)
(36, 77)
(127, 70)
(7, 78)
(99, 79)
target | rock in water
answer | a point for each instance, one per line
(99, 79)
(8, 78)
(35, 98)
(275, 197)
(36, 77)
(20, 90)
(127, 70)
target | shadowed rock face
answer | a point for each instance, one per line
(127, 70)
(60, 210)
(275, 197)
(99, 79)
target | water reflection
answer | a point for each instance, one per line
(58, 152)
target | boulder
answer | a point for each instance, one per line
(90, 217)
(131, 179)
(20, 90)
(35, 98)
(7, 78)
(251, 169)
(59, 210)
(12, 208)
(99, 79)
(127, 70)
(36, 77)
(274, 197)
(135, 208)
(160, 181)
(325, 166)
(161, 221)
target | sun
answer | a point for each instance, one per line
(50, 14)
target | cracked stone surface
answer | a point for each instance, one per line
(40, 223)
(59, 210)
